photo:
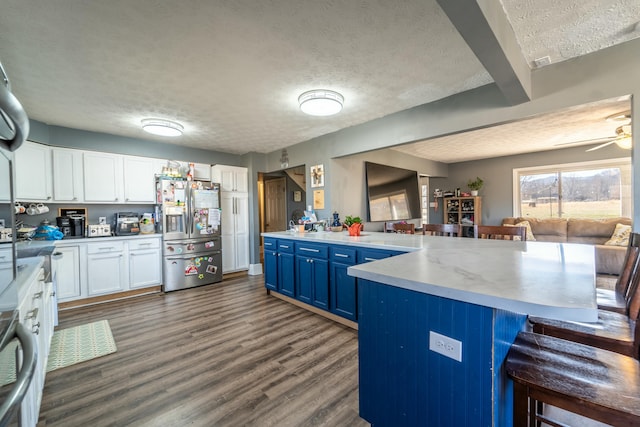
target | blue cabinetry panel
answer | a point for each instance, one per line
(402, 382)
(286, 274)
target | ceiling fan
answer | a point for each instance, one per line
(622, 137)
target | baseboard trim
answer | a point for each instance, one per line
(316, 310)
(107, 298)
(255, 269)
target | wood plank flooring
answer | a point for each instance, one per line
(220, 355)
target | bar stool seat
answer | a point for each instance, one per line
(591, 382)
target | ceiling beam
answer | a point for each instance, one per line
(484, 27)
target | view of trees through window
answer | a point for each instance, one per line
(584, 193)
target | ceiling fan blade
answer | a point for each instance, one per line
(586, 141)
(601, 146)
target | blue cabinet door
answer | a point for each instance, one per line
(304, 279)
(271, 270)
(343, 292)
(320, 283)
(286, 276)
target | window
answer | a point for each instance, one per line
(599, 189)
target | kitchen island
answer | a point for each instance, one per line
(435, 323)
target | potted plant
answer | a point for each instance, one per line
(475, 185)
(353, 225)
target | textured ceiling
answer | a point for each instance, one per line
(231, 71)
(570, 127)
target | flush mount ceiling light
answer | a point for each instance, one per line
(162, 127)
(321, 102)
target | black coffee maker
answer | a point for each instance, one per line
(77, 225)
(64, 225)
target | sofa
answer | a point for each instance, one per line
(609, 258)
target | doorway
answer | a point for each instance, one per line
(275, 205)
(281, 198)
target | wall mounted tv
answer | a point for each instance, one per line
(393, 193)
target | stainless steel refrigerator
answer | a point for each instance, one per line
(188, 213)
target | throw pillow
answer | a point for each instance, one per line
(525, 224)
(620, 236)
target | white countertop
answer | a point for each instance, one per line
(555, 280)
(389, 241)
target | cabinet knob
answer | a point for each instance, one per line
(75, 198)
(37, 295)
(36, 328)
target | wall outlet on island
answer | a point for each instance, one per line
(445, 346)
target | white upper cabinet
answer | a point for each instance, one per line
(103, 177)
(67, 175)
(231, 178)
(33, 172)
(202, 172)
(139, 180)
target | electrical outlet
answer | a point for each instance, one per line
(445, 346)
(102, 220)
(1, 223)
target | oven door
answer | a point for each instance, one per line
(24, 375)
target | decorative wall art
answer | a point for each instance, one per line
(318, 199)
(317, 176)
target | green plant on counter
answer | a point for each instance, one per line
(350, 220)
(476, 184)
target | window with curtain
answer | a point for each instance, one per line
(599, 189)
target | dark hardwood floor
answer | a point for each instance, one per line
(219, 355)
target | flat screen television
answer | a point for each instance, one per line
(393, 193)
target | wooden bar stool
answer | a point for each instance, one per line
(499, 232)
(591, 382)
(617, 299)
(448, 230)
(613, 331)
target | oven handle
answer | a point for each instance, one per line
(25, 375)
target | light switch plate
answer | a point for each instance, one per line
(446, 346)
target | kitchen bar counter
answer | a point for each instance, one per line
(436, 322)
(537, 278)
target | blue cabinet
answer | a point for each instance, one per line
(316, 273)
(286, 268)
(312, 274)
(279, 266)
(342, 289)
(271, 264)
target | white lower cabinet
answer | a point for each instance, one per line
(102, 266)
(34, 307)
(67, 269)
(106, 268)
(145, 268)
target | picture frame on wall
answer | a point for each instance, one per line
(317, 176)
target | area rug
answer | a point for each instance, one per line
(68, 347)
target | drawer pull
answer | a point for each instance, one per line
(33, 313)
(37, 295)
(284, 246)
(145, 244)
(106, 248)
(370, 259)
(310, 250)
(36, 328)
(342, 255)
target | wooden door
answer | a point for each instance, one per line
(275, 205)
